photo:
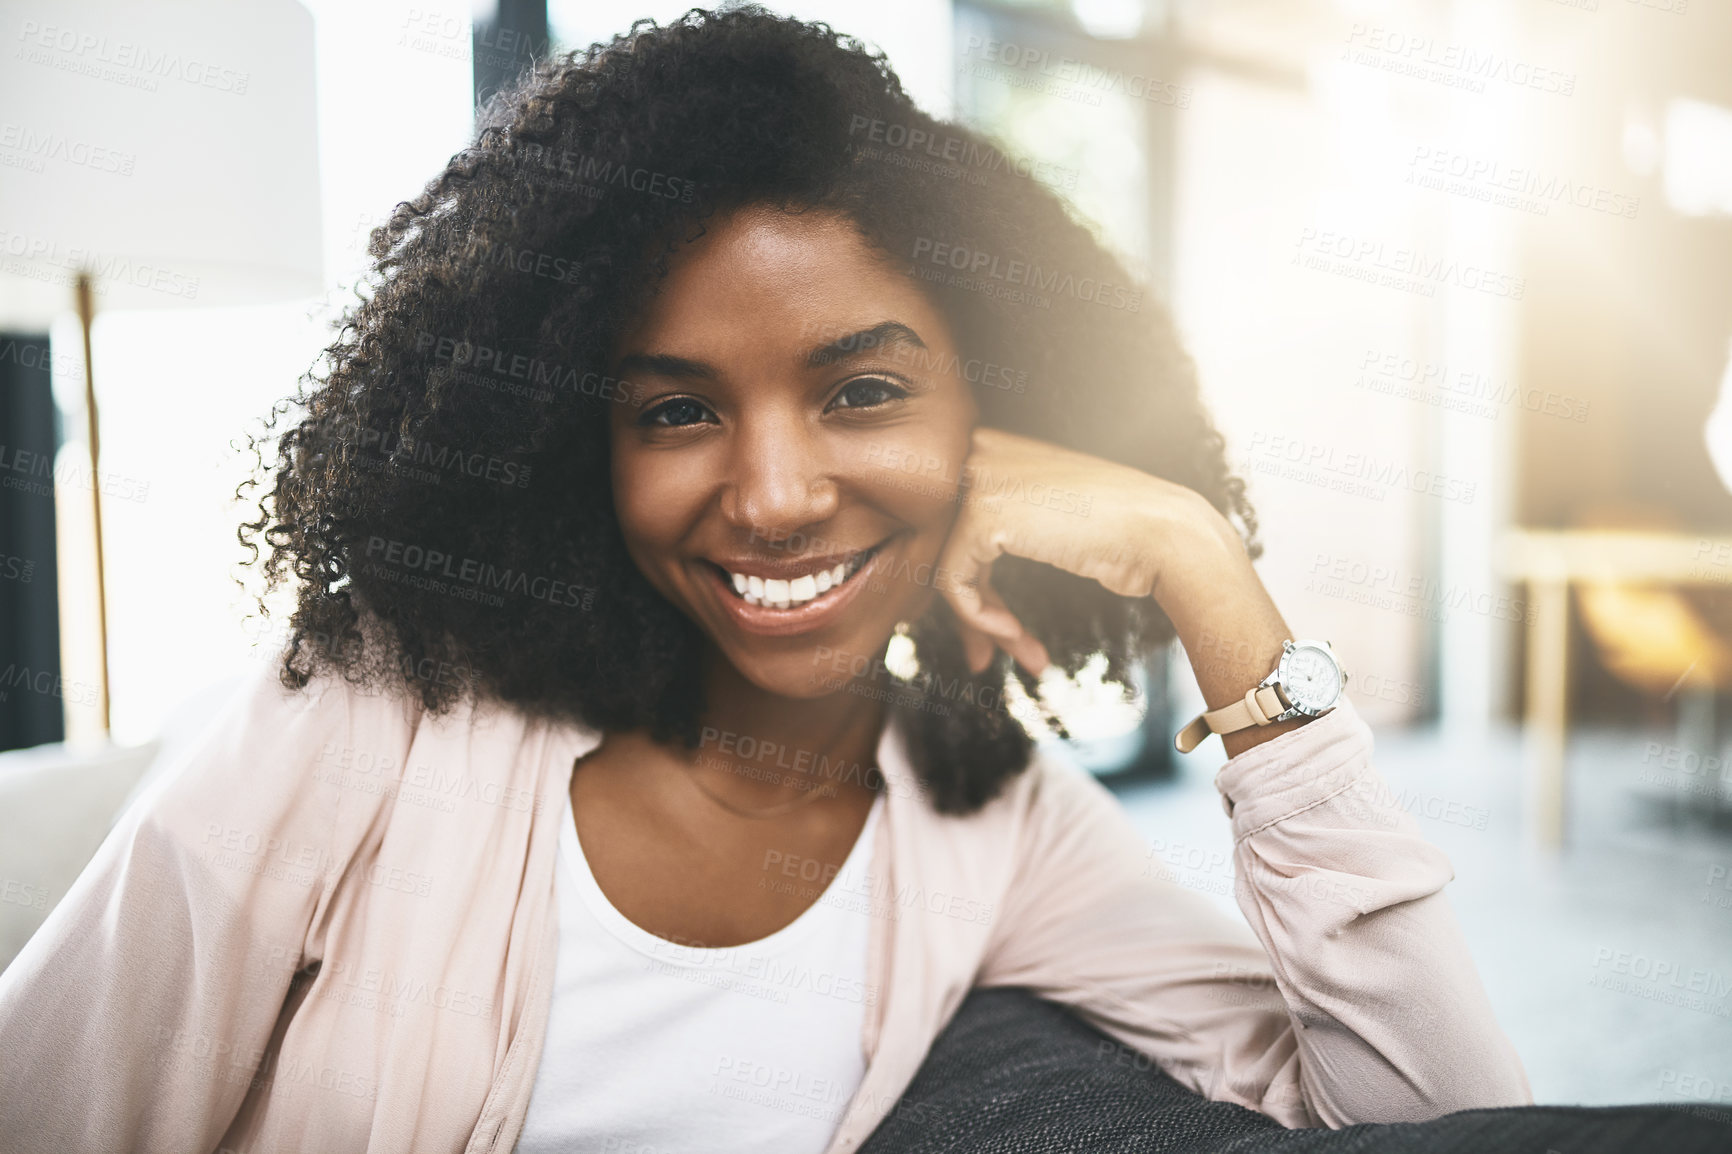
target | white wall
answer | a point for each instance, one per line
(175, 388)
(914, 34)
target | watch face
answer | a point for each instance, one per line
(1311, 678)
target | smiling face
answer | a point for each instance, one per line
(790, 473)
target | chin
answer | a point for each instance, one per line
(813, 669)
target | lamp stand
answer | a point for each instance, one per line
(86, 314)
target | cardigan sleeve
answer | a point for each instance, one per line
(137, 1016)
(1356, 999)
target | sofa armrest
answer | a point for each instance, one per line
(56, 806)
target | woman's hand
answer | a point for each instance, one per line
(1137, 535)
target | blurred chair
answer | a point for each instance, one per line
(1653, 639)
(1659, 640)
(1631, 570)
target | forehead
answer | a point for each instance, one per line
(762, 281)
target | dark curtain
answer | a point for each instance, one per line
(506, 43)
(30, 702)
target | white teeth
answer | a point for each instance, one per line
(781, 594)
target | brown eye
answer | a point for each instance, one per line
(868, 392)
(677, 413)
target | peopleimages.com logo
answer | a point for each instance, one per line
(980, 264)
(428, 567)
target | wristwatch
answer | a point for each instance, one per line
(1307, 682)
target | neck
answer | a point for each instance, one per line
(759, 748)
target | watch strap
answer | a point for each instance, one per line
(1259, 706)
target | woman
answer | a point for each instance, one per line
(591, 813)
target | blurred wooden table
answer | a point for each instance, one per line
(1550, 561)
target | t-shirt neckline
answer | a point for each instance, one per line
(662, 949)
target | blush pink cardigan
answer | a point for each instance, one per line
(331, 926)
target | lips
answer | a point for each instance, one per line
(789, 581)
(791, 592)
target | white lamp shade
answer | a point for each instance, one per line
(170, 148)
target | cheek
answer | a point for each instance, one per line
(651, 500)
(917, 474)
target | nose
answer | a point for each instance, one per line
(780, 478)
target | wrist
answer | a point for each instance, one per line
(1189, 547)
(1306, 682)
(1230, 628)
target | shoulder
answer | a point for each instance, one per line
(264, 723)
(1073, 819)
(1055, 794)
(267, 765)
(1052, 809)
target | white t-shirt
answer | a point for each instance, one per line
(658, 1048)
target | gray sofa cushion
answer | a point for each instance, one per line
(1014, 1074)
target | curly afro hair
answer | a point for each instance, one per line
(441, 497)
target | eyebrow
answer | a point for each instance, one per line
(663, 365)
(884, 334)
(880, 335)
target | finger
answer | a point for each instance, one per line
(999, 627)
(990, 607)
(977, 647)
(1028, 652)
(995, 622)
(968, 557)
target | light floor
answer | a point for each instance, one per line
(1645, 874)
